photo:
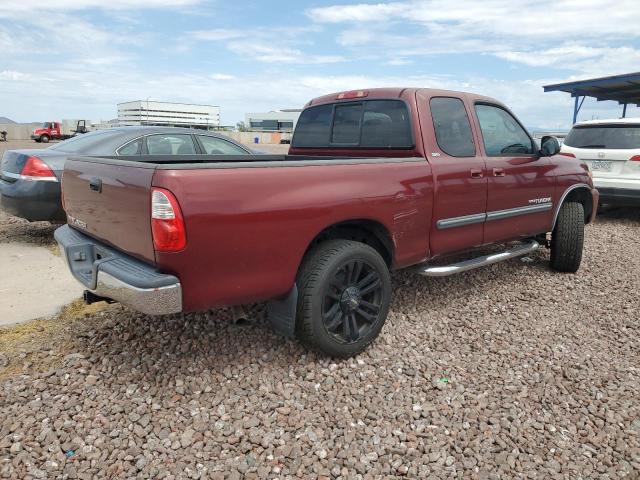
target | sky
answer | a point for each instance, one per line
(79, 58)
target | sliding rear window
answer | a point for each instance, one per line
(365, 124)
(622, 136)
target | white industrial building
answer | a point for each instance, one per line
(148, 112)
(276, 121)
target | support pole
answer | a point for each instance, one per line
(624, 111)
(577, 106)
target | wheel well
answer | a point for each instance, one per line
(368, 232)
(583, 196)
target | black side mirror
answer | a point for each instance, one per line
(549, 146)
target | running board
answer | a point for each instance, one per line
(445, 270)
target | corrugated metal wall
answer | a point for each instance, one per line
(18, 131)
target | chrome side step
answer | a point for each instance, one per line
(445, 270)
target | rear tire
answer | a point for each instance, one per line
(345, 291)
(44, 138)
(567, 238)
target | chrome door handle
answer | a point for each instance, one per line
(476, 173)
(498, 172)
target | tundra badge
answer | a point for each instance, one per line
(77, 222)
(540, 200)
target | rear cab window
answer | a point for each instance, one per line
(383, 124)
(614, 136)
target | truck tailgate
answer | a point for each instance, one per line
(110, 201)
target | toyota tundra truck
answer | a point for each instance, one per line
(375, 180)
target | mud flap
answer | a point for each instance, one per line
(282, 313)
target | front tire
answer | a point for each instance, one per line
(345, 291)
(567, 238)
(44, 138)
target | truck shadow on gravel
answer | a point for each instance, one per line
(123, 340)
(619, 215)
(209, 342)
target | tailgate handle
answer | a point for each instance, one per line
(95, 184)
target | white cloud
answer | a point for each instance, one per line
(399, 61)
(364, 12)
(594, 60)
(97, 66)
(218, 34)
(222, 77)
(14, 76)
(522, 18)
(35, 6)
(523, 31)
(100, 89)
(279, 54)
(278, 45)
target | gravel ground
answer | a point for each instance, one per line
(511, 371)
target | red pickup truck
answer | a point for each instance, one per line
(375, 180)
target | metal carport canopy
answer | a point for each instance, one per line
(624, 89)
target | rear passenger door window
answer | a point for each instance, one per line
(170, 145)
(218, 146)
(452, 127)
(501, 133)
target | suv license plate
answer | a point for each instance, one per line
(601, 166)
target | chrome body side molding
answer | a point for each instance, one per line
(461, 221)
(514, 212)
(453, 222)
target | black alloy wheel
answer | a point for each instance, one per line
(344, 292)
(353, 301)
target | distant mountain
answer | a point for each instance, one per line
(6, 120)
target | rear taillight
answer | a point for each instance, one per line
(167, 223)
(567, 154)
(36, 169)
(635, 158)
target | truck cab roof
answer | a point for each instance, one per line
(397, 92)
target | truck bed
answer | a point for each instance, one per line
(248, 219)
(200, 161)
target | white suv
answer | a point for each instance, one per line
(611, 148)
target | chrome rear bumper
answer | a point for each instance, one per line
(113, 275)
(152, 301)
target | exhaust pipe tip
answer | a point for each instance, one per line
(89, 298)
(239, 315)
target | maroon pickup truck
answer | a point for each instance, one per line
(375, 180)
